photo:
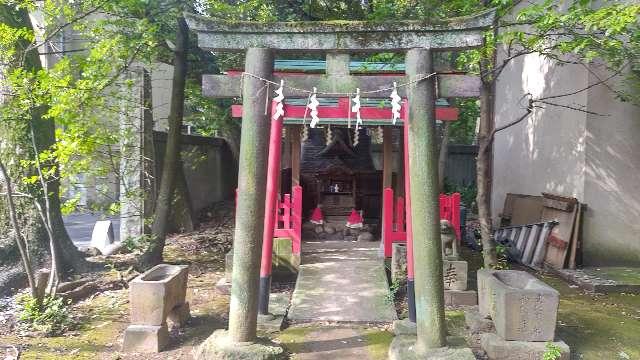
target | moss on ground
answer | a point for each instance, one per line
(96, 334)
(293, 338)
(597, 326)
(378, 343)
(455, 322)
(622, 275)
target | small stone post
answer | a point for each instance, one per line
(425, 217)
(252, 174)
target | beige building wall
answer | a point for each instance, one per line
(612, 179)
(593, 158)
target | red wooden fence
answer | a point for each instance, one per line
(289, 218)
(394, 229)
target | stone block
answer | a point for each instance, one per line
(179, 316)
(219, 347)
(402, 348)
(404, 327)
(102, 235)
(500, 349)
(484, 293)
(521, 306)
(477, 323)
(455, 274)
(145, 338)
(399, 263)
(284, 261)
(460, 297)
(155, 293)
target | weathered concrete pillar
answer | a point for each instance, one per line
(247, 243)
(132, 123)
(423, 168)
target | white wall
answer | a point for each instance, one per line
(593, 158)
(612, 179)
(545, 152)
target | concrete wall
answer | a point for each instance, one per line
(209, 168)
(612, 179)
(593, 158)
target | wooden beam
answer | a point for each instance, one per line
(387, 157)
(449, 85)
(360, 36)
(295, 155)
(373, 115)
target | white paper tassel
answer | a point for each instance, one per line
(313, 106)
(329, 135)
(279, 102)
(356, 136)
(305, 133)
(356, 109)
(395, 104)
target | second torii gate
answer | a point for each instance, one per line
(260, 40)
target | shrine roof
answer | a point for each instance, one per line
(306, 65)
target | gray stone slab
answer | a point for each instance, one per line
(216, 34)
(219, 347)
(342, 282)
(333, 343)
(278, 305)
(499, 349)
(477, 323)
(402, 348)
(458, 85)
(80, 226)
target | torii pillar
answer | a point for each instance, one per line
(252, 174)
(423, 170)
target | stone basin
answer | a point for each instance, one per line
(521, 306)
(155, 296)
(155, 293)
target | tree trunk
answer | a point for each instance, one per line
(153, 254)
(70, 257)
(20, 241)
(442, 155)
(484, 173)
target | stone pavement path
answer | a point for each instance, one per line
(341, 281)
(320, 343)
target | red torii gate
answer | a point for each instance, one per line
(286, 220)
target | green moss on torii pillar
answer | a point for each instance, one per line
(423, 167)
(252, 174)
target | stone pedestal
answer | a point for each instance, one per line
(455, 274)
(155, 297)
(460, 297)
(219, 347)
(284, 261)
(145, 338)
(455, 278)
(403, 348)
(499, 349)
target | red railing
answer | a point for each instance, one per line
(394, 227)
(289, 218)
